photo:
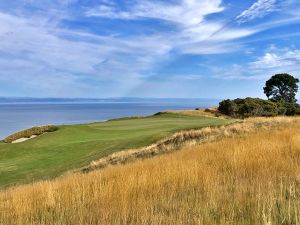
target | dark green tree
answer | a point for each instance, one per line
(282, 87)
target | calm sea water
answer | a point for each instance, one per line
(18, 116)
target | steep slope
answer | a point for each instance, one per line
(247, 178)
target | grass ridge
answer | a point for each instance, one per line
(184, 137)
(39, 130)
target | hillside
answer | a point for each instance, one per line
(250, 177)
(71, 147)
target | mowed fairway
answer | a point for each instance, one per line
(52, 154)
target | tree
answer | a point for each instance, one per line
(282, 87)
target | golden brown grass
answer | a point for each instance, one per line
(188, 137)
(210, 112)
(249, 178)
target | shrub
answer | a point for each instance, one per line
(291, 109)
(297, 112)
(29, 132)
(282, 110)
(228, 107)
(160, 113)
(249, 107)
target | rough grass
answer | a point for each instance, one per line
(248, 178)
(70, 147)
(189, 137)
(210, 112)
(29, 132)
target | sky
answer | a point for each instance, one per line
(146, 48)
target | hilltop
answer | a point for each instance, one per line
(70, 147)
(249, 176)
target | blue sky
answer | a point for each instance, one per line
(146, 48)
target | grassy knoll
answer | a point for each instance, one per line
(52, 154)
(250, 177)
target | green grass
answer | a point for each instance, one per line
(70, 147)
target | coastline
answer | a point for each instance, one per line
(17, 117)
(198, 112)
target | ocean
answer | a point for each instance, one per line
(17, 116)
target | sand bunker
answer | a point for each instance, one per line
(23, 139)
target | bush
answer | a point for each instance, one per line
(249, 107)
(29, 132)
(297, 112)
(291, 109)
(228, 107)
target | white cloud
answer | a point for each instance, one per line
(232, 33)
(280, 60)
(275, 60)
(64, 58)
(187, 12)
(193, 33)
(207, 48)
(259, 9)
(57, 60)
(50, 57)
(109, 11)
(48, 49)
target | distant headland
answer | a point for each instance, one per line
(102, 100)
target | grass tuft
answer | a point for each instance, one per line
(29, 132)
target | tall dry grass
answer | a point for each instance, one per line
(189, 137)
(244, 179)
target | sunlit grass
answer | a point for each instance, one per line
(249, 178)
(70, 147)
